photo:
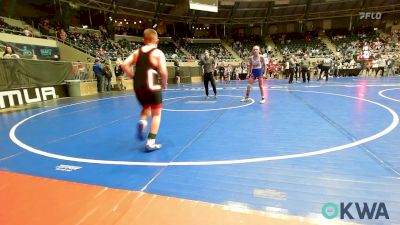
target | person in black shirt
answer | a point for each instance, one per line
(177, 72)
(119, 75)
(99, 73)
(292, 68)
(221, 71)
(149, 62)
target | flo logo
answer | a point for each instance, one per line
(370, 15)
(362, 210)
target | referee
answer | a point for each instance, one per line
(208, 64)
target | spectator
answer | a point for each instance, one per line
(228, 73)
(375, 65)
(381, 68)
(326, 66)
(81, 71)
(108, 76)
(101, 53)
(27, 31)
(89, 68)
(9, 53)
(62, 35)
(119, 75)
(99, 73)
(221, 71)
(292, 68)
(305, 68)
(390, 65)
(177, 72)
(236, 72)
(286, 68)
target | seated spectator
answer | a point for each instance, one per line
(27, 31)
(62, 35)
(9, 53)
(101, 53)
(44, 27)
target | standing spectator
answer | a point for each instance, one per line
(243, 71)
(221, 71)
(381, 68)
(119, 75)
(108, 76)
(326, 65)
(292, 68)
(89, 68)
(305, 68)
(336, 64)
(236, 73)
(276, 69)
(103, 32)
(297, 68)
(374, 65)
(390, 66)
(286, 68)
(81, 71)
(177, 71)
(228, 73)
(99, 73)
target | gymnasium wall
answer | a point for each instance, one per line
(27, 40)
(71, 54)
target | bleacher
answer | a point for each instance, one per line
(243, 47)
(216, 50)
(6, 28)
(297, 44)
(347, 42)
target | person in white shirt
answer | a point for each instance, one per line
(381, 67)
(375, 65)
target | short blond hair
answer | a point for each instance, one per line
(150, 35)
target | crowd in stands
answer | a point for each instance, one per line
(243, 46)
(300, 44)
(6, 28)
(365, 50)
(217, 51)
(98, 44)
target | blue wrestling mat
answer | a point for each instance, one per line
(308, 145)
